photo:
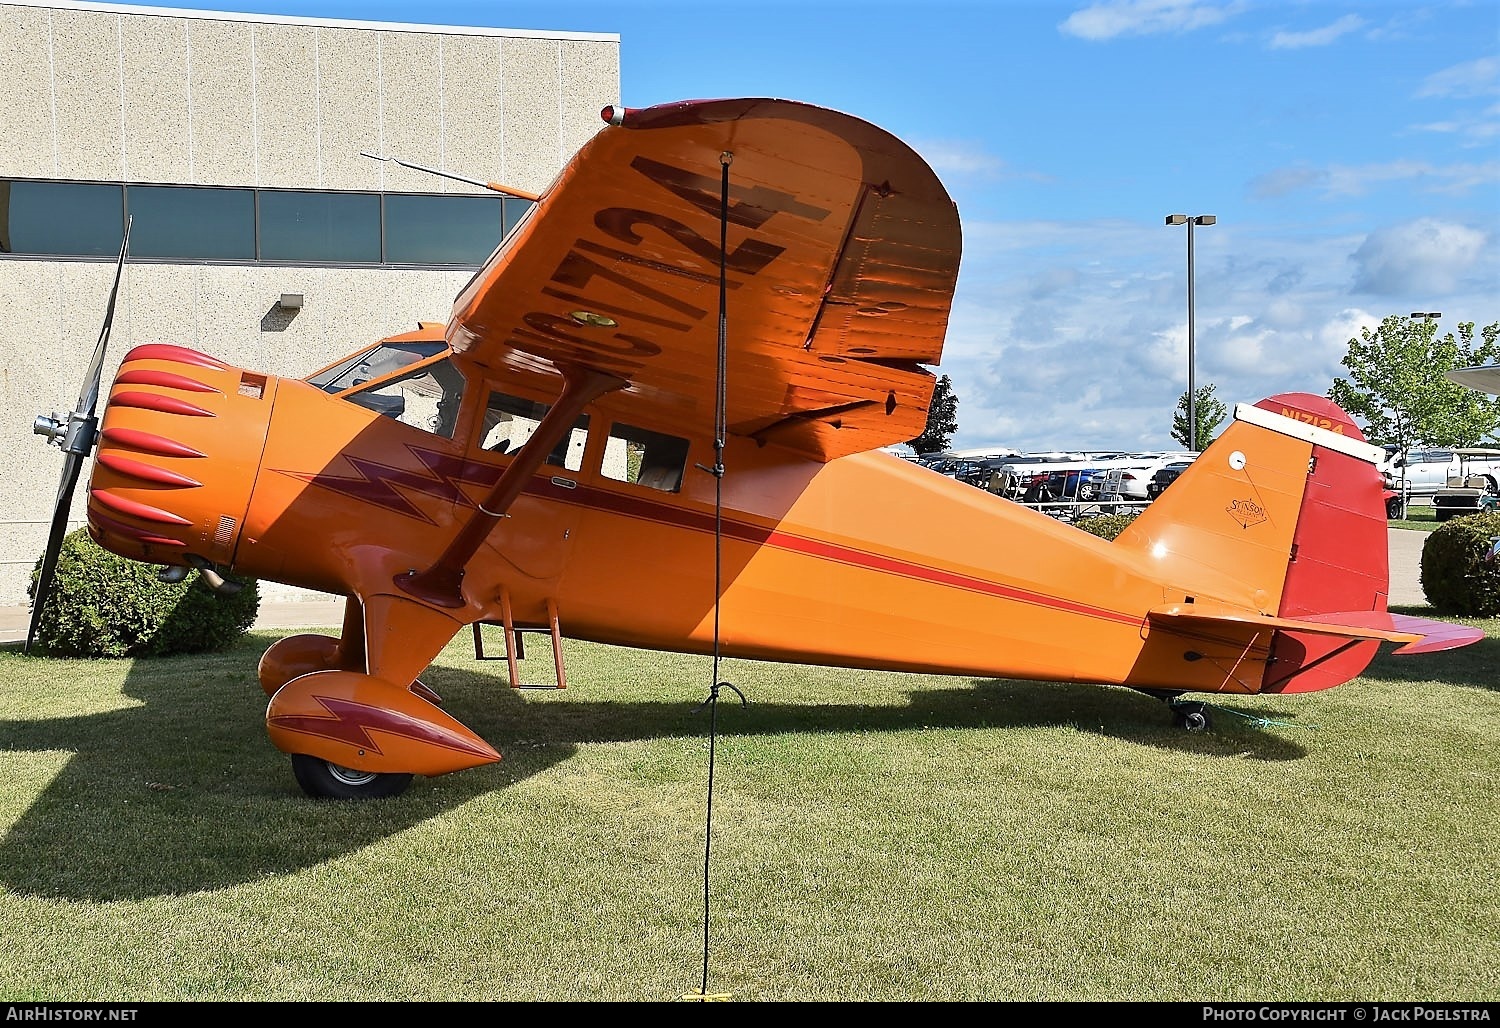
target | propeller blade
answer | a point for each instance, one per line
(88, 398)
(77, 442)
(72, 465)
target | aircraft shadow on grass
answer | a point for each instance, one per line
(1448, 667)
(140, 804)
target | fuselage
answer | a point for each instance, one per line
(865, 561)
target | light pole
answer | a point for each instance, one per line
(1192, 404)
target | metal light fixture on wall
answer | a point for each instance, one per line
(1192, 390)
(290, 302)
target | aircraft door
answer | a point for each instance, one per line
(536, 536)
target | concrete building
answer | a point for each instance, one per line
(278, 246)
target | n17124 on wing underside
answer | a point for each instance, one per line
(653, 419)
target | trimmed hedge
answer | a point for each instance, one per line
(1456, 576)
(1105, 526)
(103, 605)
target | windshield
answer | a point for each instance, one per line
(411, 382)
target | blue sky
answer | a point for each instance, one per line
(1350, 152)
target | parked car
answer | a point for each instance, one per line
(1129, 483)
(1165, 476)
(1471, 488)
(1084, 481)
(1067, 484)
(1422, 472)
(1017, 475)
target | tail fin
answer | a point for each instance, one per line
(1279, 529)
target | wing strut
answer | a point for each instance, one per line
(442, 584)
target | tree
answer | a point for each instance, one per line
(1398, 384)
(942, 419)
(1209, 412)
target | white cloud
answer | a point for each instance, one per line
(1425, 256)
(1317, 37)
(965, 159)
(1146, 18)
(1359, 180)
(1479, 77)
(1073, 335)
(1284, 181)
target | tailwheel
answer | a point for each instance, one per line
(1191, 715)
(323, 779)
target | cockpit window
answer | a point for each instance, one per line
(401, 381)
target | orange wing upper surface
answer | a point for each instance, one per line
(840, 252)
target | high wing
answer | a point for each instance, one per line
(1485, 378)
(841, 253)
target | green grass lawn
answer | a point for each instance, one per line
(874, 837)
(1419, 516)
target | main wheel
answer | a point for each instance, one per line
(1191, 716)
(325, 780)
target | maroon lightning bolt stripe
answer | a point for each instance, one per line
(352, 723)
(386, 486)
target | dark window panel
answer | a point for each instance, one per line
(515, 210)
(441, 229)
(191, 223)
(63, 219)
(335, 227)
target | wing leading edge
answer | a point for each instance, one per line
(841, 252)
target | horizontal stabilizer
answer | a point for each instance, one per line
(1426, 635)
(1418, 635)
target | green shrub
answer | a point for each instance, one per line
(1456, 576)
(1105, 526)
(103, 605)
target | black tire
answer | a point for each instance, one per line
(1393, 508)
(1192, 717)
(324, 780)
(1195, 721)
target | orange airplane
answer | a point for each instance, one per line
(654, 419)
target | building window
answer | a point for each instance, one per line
(282, 226)
(341, 228)
(441, 229)
(80, 219)
(191, 223)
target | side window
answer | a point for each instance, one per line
(509, 421)
(651, 459)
